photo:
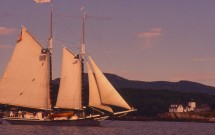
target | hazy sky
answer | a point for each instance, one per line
(149, 40)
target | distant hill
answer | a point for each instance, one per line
(153, 98)
(182, 86)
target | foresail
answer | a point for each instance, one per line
(69, 95)
(108, 93)
(94, 96)
(25, 81)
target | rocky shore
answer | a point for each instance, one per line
(173, 116)
(188, 116)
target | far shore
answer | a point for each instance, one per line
(204, 117)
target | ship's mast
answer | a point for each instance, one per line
(84, 92)
(50, 57)
(83, 35)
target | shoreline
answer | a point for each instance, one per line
(203, 117)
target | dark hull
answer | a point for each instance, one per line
(80, 122)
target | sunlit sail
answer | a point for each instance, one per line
(26, 79)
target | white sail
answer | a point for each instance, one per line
(69, 95)
(108, 93)
(25, 81)
(94, 96)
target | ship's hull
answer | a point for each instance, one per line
(78, 122)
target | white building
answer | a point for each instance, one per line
(179, 107)
(176, 108)
(191, 106)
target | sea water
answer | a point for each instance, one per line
(115, 128)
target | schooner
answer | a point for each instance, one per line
(27, 83)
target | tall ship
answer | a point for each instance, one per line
(26, 85)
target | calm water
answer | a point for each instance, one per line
(116, 128)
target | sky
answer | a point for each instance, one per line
(147, 40)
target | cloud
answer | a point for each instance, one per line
(148, 37)
(203, 59)
(5, 46)
(199, 77)
(151, 34)
(7, 31)
(4, 14)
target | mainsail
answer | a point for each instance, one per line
(25, 81)
(108, 93)
(69, 95)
